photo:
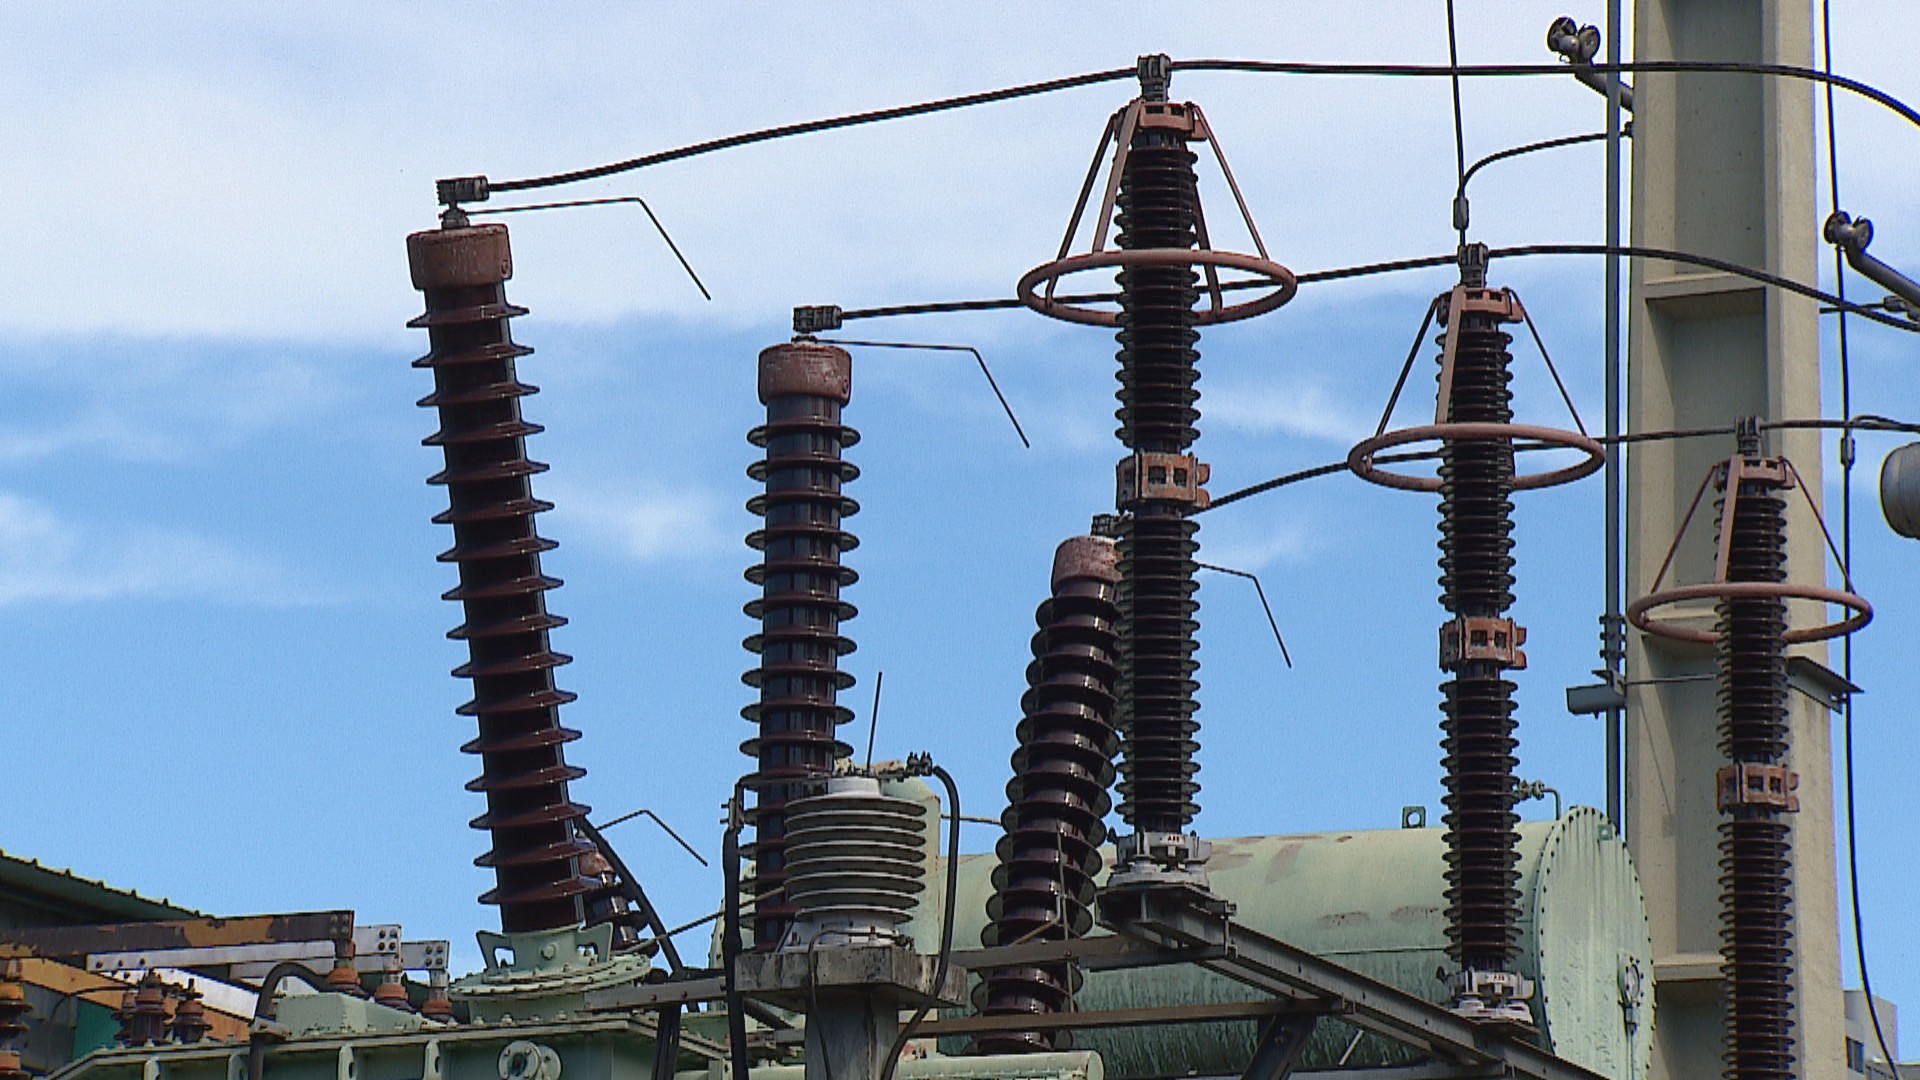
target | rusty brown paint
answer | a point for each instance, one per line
(68, 941)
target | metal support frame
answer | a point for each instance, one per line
(1282, 1041)
(1292, 973)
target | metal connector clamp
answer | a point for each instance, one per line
(1468, 639)
(1771, 786)
(461, 189)
(813, 318)
(1148, 476)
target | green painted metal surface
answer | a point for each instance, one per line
(1374, 901)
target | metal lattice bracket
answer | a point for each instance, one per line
(1749, 785)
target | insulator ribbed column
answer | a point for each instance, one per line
(1756, 854)
(1476, 581)
(804, 385)
(1157, 207)
(1043, 888)
(524, 774)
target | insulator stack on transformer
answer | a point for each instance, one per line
(190, 1024)
(1479, 644)
(1756, 790)
(14, 1011)
(1043, 888)
(804, 385)
(524, 774)
(1162, 238)
(607, 904)
(1159, 483)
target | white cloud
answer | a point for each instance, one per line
(1307, 411)
(46, 558)
(643, 525)
(1244, 548)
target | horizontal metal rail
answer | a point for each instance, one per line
(1108, 1018)
(1256, 960)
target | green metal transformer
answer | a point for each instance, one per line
(1374, 901)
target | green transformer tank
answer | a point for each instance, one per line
(1374, 902)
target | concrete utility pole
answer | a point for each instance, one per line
(1723, 165)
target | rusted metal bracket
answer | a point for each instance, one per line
(1747, 784)
(1147, 476)
(1468, 639)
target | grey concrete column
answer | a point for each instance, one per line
(1723, 165)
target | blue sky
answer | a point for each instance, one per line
(218, 595)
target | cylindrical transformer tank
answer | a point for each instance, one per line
(1375, 902)
(1900, 490)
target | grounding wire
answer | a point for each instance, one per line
(1428, 262)
(1847, 457)
(1269, 67)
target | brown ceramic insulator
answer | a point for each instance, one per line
(438, 1006)
(1157, 208)
(607, 904)
(1057, 801)
(803, 385)
(146, 1022)
(392, 993)
(1756, 854)
(1476, 580)
(524, 774)
(190, 1024)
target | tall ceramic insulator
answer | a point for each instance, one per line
(1157, 204)
(502, 592)
(1756, 850)
(803, 385)
(1057, 801)
(1476, 581)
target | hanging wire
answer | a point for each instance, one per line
(1857, 423)
(1847, 457)
(571, 203)
(977, 358)
(1267, 67)
(1636, 251)
(1459, 133)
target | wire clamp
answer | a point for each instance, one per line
(1148, 476)
(1468, 639)
(813, 318)
(1769, 786)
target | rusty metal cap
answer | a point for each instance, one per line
(1093, 557)
(459, 258)
(806, 367)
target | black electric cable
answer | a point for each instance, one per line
(1459, 133)
(1858, 423)
(946, 928)
(1267, 67)
(1529, 148)
(809, 127)
(1427, 262)
(1846, 545)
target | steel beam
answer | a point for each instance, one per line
(1263, 962)
(1282, 1041)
